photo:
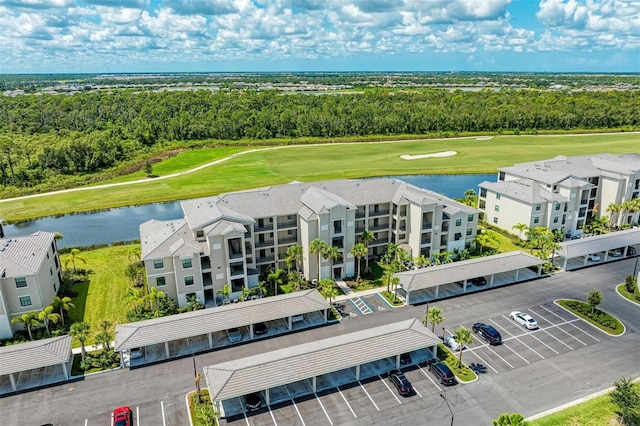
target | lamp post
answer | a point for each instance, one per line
(448, 406)
(195, 371)
(426, 315)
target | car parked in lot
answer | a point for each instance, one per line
(524, 320)
(401, 383)
(443, 373)
(488, 333)
(135, 353)
(615, 253)
(122, 416)
(451, 341)
(593, 258)
(297, 318)
(234, 334)
(260, 328)
(405, 358)
(253, 401)
(478, 281)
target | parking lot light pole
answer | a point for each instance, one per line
(195, 371)
(448, 406)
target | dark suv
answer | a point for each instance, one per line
(443, 373)
(488, 333)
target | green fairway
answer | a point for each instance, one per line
(316, 162)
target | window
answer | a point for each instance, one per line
(50, 271)
(158, 264)
(495, 220)
(25, 301)
(497, 196)
(555, 219)
(536, 220)
(469, 231)
(469, 218)
(186, 263)
(458, 236)
(199, 234)
(483, 192)
(482, 204)
(161, 282)
(501, 176)
(496, 208)
(458, 222)
(538, 207)
(557, 206)
(188, 280)
(21, 282)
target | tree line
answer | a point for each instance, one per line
(48, 138)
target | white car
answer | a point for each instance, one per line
(524, 320)
(234, 334)
(451, 341)
(615, 253)
(593, 257)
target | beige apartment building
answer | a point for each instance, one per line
(232, 238)
(30, 276)
(563, 192)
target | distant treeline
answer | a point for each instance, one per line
(51, 138)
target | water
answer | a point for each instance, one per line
(122, 224)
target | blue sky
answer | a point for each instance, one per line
(55, 36)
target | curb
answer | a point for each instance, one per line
(620, 294)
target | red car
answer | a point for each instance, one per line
(122, 417)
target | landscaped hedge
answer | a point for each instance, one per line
(602, 319)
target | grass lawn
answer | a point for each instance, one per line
(316, 162)
(391, 298)
(103, 296)
(95, 365)
(595, 412)
(464, 373)
(622, 289)
(202, 413)
(579, 308)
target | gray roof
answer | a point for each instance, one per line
(466, 269)
(189, 324)
(267, 370)
(526, 190)
(160, 238)
(23, 255)
(37, 354)
(599, 243)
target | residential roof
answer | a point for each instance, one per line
(188, 324)
(287, 365)
(599, 243)
(433, 276)
(24, 255)
(160, 238)
(526, 190)
(36, 354)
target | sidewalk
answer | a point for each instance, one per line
(90, 348)
(349, 293)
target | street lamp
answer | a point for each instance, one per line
(448, 406)
(426, 315)
(195, 371)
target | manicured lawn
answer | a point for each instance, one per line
(600, 318)
(317, 162)
(464, 373)
(390, 297)
(622, 289)
(103, 296)
(595, 412)
(95, 365)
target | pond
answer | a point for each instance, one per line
(122, 224)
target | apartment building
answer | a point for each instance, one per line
(232, 238)
(30, 276)
(563, 192)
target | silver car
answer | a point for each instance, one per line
(451, 341)
(524, 320)
(234, 334)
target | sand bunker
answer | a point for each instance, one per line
(484, 138)
(435, 154)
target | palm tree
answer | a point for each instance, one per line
(294, 254)
(464, 337)
(484, 239)
(422, 260)
(245, 294)
(318, 246)
(225, 291)
(134, 296)
(47, 315)
(446, 256)
(387, 278)
(72, 257)
(261, 288)
(105, 336)
(80, 330)
(135, 255)
(513, 419)
(359, 250)
(594, 298)
(62, 305)
(435, 316)
(520, 227)
(30, 321)
(365, 238)
(275, 277)
(332, 254)
(614, 208)
(153, 296)
(328, 289)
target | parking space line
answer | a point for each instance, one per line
(272, 416)
(246, 418)
(575, 326)
(554, 337)
(392, 392)
(346, 402)
(416, 390)
(558, 325)
(485, 362)
(372, 401)
(496, 354)
(164, 420)
(532, 335)
(516, 337)
(138, 415)
(523, 358)
(429, 377)
(295, 406)
(322, 406)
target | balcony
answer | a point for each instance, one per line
(288, 239)
(425, 240)
(235, 254)
(266, 243)
(205, 262)
(379, 227)
(360, 229)
(445, 226)
(287, 224)
(265, 259)
(427, 225)
(236, 270)
(379, 213)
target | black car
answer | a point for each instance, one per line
(488, 333)
(253, 401)
(401, 383)
(260, 328)
(443, 373)
(479, 281)
(405, 358)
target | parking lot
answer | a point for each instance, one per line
(349, 402)
(559, 332)
(356, 306)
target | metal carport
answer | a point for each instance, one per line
(309, 361)
(433, 282)
(597, 244)
(207, 321)
(24, 357)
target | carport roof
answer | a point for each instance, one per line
(287, 365)
(188, 324)
(37, 354)
(459, 271)
(599, 243)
